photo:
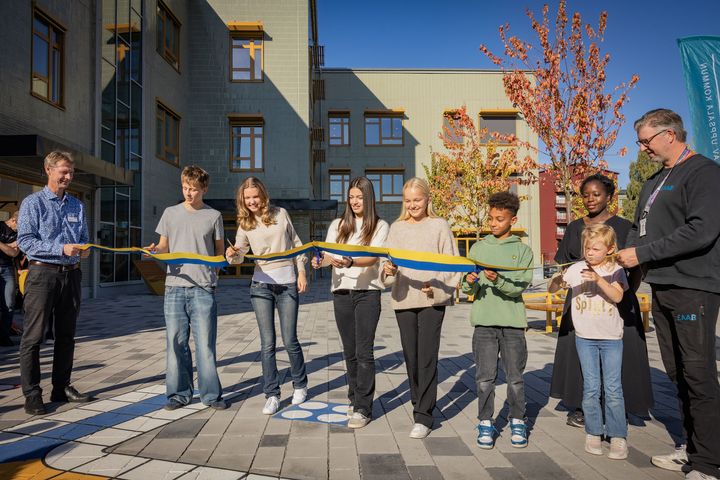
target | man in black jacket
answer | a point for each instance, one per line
(675, 237)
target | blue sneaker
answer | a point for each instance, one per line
(518, 433)
(486, 434)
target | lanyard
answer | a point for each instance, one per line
(685, 153)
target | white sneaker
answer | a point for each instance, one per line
(349, 411)
(358, 420)
(271, 405)
(695, 475)
(419, 431)
(299, 396)
(672, 461)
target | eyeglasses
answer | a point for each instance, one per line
(646, 141)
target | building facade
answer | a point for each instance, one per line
(137, 89)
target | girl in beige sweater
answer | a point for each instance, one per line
(419, 297)
(275, 284)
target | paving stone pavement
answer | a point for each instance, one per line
(120, 358)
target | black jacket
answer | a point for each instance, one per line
(682, 242)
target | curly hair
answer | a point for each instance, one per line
(505, 201)
(246, 220)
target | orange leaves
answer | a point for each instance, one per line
(566, 103)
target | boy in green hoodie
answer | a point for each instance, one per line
(498, 315)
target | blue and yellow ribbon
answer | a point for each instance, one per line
(412, 259)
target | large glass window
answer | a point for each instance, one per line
(47, 58)
(246, 56)
(451, 128)
(383, 129)
(167, 140)
(246, 144)
(339, 129)
(339, 184)
(503, 124)
(121, 133)
(387, 184)
(168, 35)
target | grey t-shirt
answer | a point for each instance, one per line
(195, 232)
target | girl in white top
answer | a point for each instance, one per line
(598, 284)
(275, 284)
(356, 294)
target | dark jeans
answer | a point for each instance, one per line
(420, 337)
(48, 291)
(510, 343)
(685, 322)
(7, 299)
(357, 313)
(265, 297)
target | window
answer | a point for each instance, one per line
(167, 134)
(339, 129)
(246, 57)
(500, 122)
(450, 127)
(168, 35)
(246, 143)
(383, 129)
(387, 184)
(47, 59)
(560, 230)
(339, 185)
(559, 199)
(561, 215)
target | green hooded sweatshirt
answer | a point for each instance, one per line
(500, 304)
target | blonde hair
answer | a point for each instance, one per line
(602, 232)
(421, 185)
(245, 218)
(57, 156)
(195, 176)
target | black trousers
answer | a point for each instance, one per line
(685, 321)
(420, 337)
(357, 313)
(49, 291)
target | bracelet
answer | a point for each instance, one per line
(351, 262)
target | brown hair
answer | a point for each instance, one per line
(57, 156)
(195, 176)
(370, 216)
(245, 218)
(423, 186)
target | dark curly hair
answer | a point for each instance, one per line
(505, 201)
(607, 183)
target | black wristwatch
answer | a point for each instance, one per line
(351, 262)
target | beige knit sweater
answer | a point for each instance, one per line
(269, 239)
(431, 235)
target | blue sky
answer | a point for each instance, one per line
(640, 38)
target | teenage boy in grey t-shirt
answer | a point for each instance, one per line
(190, 304)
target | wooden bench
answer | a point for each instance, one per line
(552, 303)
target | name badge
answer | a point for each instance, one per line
(72, 218)
(642, 227)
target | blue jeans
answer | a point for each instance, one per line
(592, 354)
(191, 308)
(7, 297)
(265, 297)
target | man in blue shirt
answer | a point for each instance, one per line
(51, 229)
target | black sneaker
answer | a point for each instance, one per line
(34, 405)
(173, 404)
(576, 419)
(218, 404)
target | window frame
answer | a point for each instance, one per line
(254, 35)
(380, 115)
(342, 115)
(514, 114)
(161, 106)
(168, 18)
(344, 172)
(379, 194)
(253, 121)
(53, 25)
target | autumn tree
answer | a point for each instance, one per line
(475, 164)
(559, 86)
(640, 170)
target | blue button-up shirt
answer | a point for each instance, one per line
(46, 223)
